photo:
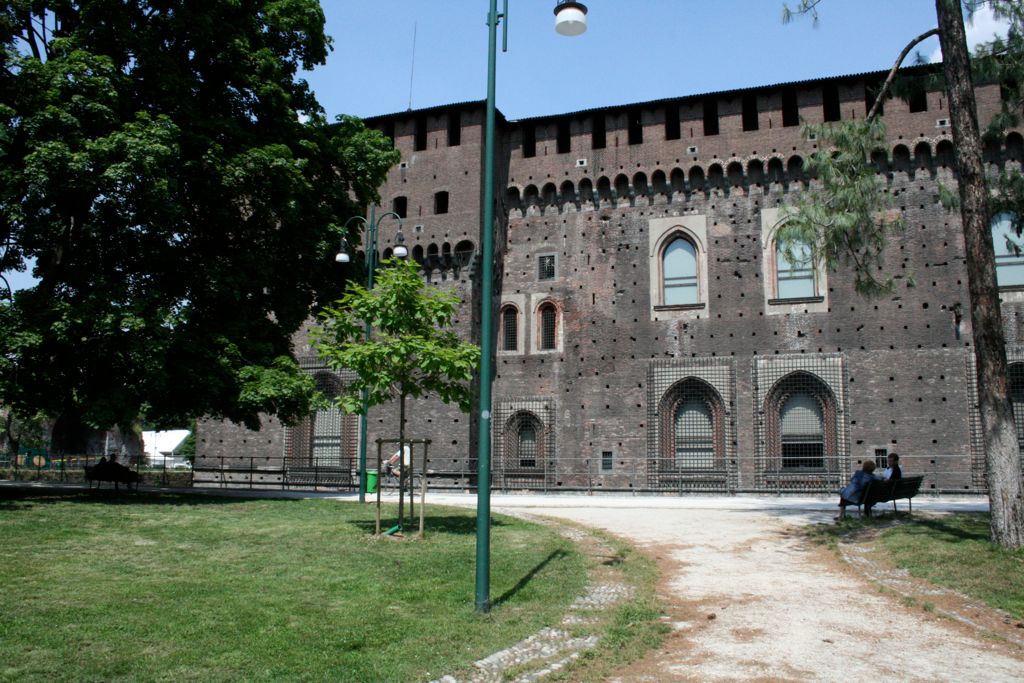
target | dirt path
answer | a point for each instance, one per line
(751, 600)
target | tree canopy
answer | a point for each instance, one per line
(846, 221)
(178, 192)
(412, 352)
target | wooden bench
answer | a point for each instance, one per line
(116, 474)
(882, 491)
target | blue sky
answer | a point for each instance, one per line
(633, 51)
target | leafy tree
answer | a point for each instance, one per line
(177, 191)
(413, 351)
(846, 221)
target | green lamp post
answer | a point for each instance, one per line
(570, 20)
(400, 251)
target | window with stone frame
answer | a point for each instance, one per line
(691, 417)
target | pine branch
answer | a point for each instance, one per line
(895, 67)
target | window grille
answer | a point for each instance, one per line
(1016, 372)
(607, 461)
(802, 433)
(510, 329)
(679, 273)
(322, 447)
(695, 435)
(546, 267)
(527, 451)
(548, 321)
(1009, 259)
(794, 280)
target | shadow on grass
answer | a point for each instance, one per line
(523, 582)
(954, 532)
(441, 524)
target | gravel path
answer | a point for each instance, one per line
(751, 600)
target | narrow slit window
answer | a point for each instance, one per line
(636, 128)
(564, 138)
(454, 128)
(672, 122)
(750, 112)
(710, 116)
(607, 461)
(790, 108)
(830, 102)
(420, 133)
(598, 135)
(529, 141)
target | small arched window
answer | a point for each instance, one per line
(509, 329)
(794, 279)
(548, 327)
(801, 426)
(1009, 256)
(679, 273)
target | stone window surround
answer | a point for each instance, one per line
(536, 301)
(660, 233)
(772, 304)
(518, 302)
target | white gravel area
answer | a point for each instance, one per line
(763, 603)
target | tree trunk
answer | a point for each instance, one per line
(1002, 456)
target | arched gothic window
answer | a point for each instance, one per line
(524, 442)
(691, 427)
(802, 421)
(1009, 257)
(679, 273)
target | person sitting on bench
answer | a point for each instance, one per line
(854, 491)
(893, 471)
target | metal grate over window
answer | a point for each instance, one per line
(510, 329)
(694, 434)
(323, 445)
(1016, 372)
(548, 321)
(607, 461)
(546, 267)
(802, 433)
(527, 445)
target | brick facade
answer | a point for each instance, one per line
(603, 192)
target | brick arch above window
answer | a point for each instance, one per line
(691, 424)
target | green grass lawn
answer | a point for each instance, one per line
(952, 551)
(178, 587)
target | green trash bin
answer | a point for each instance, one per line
(371, 481)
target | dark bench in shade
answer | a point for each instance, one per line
(880, 491)
(115, 474)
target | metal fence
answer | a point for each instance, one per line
(37, 465)
(943, 473)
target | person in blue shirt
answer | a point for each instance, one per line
(854, 491)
